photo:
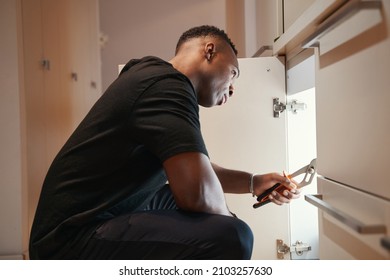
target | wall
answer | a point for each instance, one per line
(12, 187)
(149, 27)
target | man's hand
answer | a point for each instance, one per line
(263, 182)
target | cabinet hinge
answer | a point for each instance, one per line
(280, 107)
(298, 248)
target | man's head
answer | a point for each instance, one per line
(207, 56)
(203, 31)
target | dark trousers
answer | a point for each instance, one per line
(161, 231)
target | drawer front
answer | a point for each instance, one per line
(357, 228)
(353, 118)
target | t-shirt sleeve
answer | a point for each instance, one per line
(166, 119)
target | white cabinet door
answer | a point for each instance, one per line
(244, 135)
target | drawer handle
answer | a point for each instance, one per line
(316, 200)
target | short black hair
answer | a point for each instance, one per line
(203, 31)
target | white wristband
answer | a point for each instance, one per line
(251, 184)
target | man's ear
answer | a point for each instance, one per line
(209, 51)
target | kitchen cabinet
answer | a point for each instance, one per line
(349, 41)
(353, 131)
(352, 50)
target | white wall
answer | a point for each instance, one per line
(149, 27)
(13, 206)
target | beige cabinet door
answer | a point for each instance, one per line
(353, 129)
(61, 80)
(353, 118)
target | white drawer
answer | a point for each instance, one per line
(353, 224)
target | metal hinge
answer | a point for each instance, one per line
(298, 248)
(293, 106)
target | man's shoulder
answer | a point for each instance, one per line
(146, 63)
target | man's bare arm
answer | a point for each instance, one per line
(234, 181)
(194, 184)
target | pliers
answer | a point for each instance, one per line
(309, 171)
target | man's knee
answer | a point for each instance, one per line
(234, 238)
(245, 237)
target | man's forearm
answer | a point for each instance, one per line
(233, 181)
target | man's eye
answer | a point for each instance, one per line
(234, 73)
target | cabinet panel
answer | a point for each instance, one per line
(243, 135)
(56, 87)
(34, 100)
(64, 34)
(353, 131)
(293, 9)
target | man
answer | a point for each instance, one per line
(106, 194)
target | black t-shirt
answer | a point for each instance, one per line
(113, 160)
